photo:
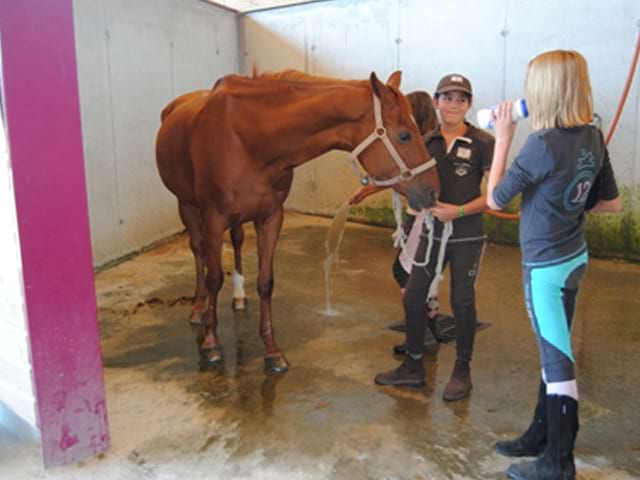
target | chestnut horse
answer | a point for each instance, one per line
(425, 117)
(228, 155)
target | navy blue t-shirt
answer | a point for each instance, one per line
(557, 171)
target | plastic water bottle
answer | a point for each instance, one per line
(518, 110)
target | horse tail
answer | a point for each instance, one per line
(185, 99)
(218, 83)
(168, 109)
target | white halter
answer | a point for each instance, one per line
(380, 133)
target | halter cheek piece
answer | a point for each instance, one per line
(380, 133)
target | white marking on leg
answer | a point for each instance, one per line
(238, 285)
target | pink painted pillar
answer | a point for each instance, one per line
(45, 139)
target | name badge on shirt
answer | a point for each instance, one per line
(464, 153)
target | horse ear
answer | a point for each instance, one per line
(376, 85)
(394, 79)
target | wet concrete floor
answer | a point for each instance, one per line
(325, 419)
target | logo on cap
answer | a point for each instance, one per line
(452, 82)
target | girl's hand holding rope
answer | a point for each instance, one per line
(445, 211)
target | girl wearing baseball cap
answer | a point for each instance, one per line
(463, 154)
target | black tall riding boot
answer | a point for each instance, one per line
(556, 462)
(532, 442)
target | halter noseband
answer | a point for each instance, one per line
(380, 133)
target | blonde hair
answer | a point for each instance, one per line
(558, 90)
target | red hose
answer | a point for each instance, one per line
(625, 92)
(612, 128)
(503, 215)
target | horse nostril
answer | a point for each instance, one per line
(433, 195)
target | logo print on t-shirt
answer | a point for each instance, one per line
(461, 167)
(461, 164)
(575, 195)
(464, 153)
(585, 159)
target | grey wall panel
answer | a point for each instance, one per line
(205, 47)
(284, 39)
(134, 56)
(97, 127)
(141, 81)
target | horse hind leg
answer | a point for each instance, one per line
(239, 297)
(191, 219)
(214, 227)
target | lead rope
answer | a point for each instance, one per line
(447, 230)
(399, 236)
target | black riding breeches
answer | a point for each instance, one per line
(463, 259)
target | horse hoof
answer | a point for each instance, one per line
(212, 355)
(239, 304)
(197, 318)
(276, 363)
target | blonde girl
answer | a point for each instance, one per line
(562, 170)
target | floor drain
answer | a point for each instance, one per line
(444, 329)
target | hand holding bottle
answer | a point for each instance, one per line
(518, 110)
(505, 127)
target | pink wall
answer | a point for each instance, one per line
(41, 96)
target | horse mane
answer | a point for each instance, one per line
(297, 76)
(267, 83)
(286, 76)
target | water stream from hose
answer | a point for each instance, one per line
(332, 247)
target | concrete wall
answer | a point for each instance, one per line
(134, 56)
(16, 385)
(489, 41)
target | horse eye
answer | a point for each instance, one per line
(404, 136)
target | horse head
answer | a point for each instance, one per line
(400, 160)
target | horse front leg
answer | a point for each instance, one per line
(192, 218)
(239, 297)
(214, 226)
(267, 231)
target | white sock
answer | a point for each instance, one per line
(568, 389)
(238, 285)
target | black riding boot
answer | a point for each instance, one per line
(532, 442)
(410, 373)
(556, 462)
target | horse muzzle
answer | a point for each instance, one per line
(420, 198)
